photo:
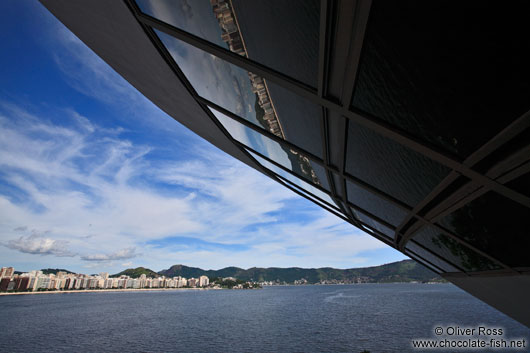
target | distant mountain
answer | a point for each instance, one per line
(402, 271)
(137, 272)
(54, 271)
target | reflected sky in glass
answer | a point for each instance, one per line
(283, 35)
(273, 150)
(309, 188)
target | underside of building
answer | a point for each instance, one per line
(408, 119)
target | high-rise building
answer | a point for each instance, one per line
(4, 283)
(193, 282)
(104, 275)
(204, 281)
(408, 119)
(7, 272)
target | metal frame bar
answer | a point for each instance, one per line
(360, 21)
(261, 130)
(322, 48)
(425, 262)
(518, 158)
(498, 169)
(324, 203)
(437, 256)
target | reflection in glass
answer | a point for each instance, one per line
(453, 82)
(390, 167)
(435, 260)
(247, 95)
(415, 257)
(495, 225)
(282, 155)
(451, 250)
(374, 204)
(283, 35)
(374, 224)
(302, 184)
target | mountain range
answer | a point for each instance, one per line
(401, 271)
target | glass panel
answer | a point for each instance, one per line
(391, 167)
(374, 204)
(374, 224)
(282, 155)
(496, 225)
(314, 199)
(412, 246)
(283, 35)
(454, 252)
(306, 186)
(521, 184)
(452, 74)
(417, 258)
(249, 96)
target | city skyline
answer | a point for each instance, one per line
(83, 190)
(37, 280)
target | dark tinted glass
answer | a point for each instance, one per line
(323, 197)
(284, 156)
(374, 204)
(452, 251)
(283, 35)
(391, 167)
(302, 184)
(521, 184)
(412, 246)
(417, 259)
(496, 225)
(453, 73)
(277, 110)
(374, 224)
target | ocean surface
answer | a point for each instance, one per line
(348, 318)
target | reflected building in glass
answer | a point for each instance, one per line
(408, 119)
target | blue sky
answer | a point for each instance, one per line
(94, 177)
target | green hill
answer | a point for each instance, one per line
(137, 272)
(402, 271)
(54, 271)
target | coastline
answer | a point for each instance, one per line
(109, 290)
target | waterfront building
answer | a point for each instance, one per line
(32, 283)
(7, 272)
(192, 282)
(104, 275)
(4, 283)
(181, 282)
(204, 281)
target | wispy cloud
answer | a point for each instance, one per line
(124, 254)
(103, 192)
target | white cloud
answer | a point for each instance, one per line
(94, 190)
(124, 254)
(38, 245)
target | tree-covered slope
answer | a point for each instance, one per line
(402, 271)
(137, 272)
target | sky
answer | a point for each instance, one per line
(94, 177)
